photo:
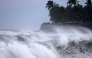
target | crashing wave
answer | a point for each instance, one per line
(66, 42)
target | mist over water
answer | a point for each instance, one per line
(66, 42)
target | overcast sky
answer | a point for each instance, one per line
(25, 14)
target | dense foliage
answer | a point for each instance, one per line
(74, 12)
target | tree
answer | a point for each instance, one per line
(49, 5)
(72, 2)
(88, 10)
(78, 13)
(88, 3)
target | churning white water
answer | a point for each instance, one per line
(66, 42)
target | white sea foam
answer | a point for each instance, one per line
(67, 42)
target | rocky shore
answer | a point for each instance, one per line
(49, 27)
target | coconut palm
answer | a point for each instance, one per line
(49, 4)
(72, 2)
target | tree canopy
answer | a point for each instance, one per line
(74, 12)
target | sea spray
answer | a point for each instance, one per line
(65, 42)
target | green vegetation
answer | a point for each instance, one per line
(74, 12)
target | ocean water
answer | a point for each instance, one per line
(66, 42)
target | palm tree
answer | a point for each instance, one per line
(49, 4)
(88, 3)
(88, 7)
(72, 2)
